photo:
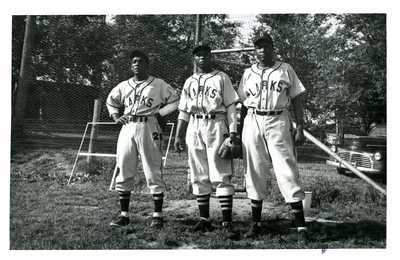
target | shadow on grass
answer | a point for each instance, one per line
(378, 178)
(361, 231)
(281, 233)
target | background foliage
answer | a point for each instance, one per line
(340, 58)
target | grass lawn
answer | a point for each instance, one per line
(47, 214)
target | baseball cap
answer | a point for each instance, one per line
(139, 53)
(201, 45)
(262, 36)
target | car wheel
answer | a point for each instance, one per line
(340, 170)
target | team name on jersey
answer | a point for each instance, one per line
(274, 86)
(208, 91)
(144, 100)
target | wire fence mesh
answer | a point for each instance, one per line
(79, 59)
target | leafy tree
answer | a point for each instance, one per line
(301, 40)
(353, 82)
(71, 49)
(168, 39)
(344, 69)
(87, 50)
(366, 54)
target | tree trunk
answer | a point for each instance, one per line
(24, 79)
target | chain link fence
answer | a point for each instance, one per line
(76, 61)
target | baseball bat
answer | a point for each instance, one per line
(349, 166)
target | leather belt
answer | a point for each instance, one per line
(268, 113)
(137, 118)
(204, 116)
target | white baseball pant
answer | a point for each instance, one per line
(207, 168)
(142, 138)
(268, 140)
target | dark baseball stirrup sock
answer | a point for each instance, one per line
(203, 201)
(297, 209)
(226, 203)
(256, 209)
(158, 201)
(124, 198)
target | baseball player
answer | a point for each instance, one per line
(208, 112)
(267, 89)
(141, 98)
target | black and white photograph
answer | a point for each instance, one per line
(199, 129)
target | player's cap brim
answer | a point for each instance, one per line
(262, 36)
(138, 53)
(198, 47)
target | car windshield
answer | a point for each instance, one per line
(378, 131)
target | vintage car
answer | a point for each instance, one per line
(365, 153)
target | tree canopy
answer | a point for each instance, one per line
(340, 58)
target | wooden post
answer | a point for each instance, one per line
(198, 35)
(25, 75)
(95, 128)
(342, 161)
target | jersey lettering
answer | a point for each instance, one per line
(272, 85)
(213, 93)
(192, 95)
(278, 88)
(146, 101)
(131, 102)
(251, 92)
(209, 92)
(264, 84)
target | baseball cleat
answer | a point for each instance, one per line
(227, 229)
(157, 222)
(254, 231)
(203, 226)
(120, 221)
(303, 236)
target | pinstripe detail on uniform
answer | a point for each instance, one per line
(262, 78)
(234, 102)
(299, 95)
(203, 86)
(147, 82)
(256, 72)
(112, 105)
(169, 102)
(129, 83)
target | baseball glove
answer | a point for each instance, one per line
(230, 149)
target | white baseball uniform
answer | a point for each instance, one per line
(268, 134)
(142, 136)
(204, 101)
